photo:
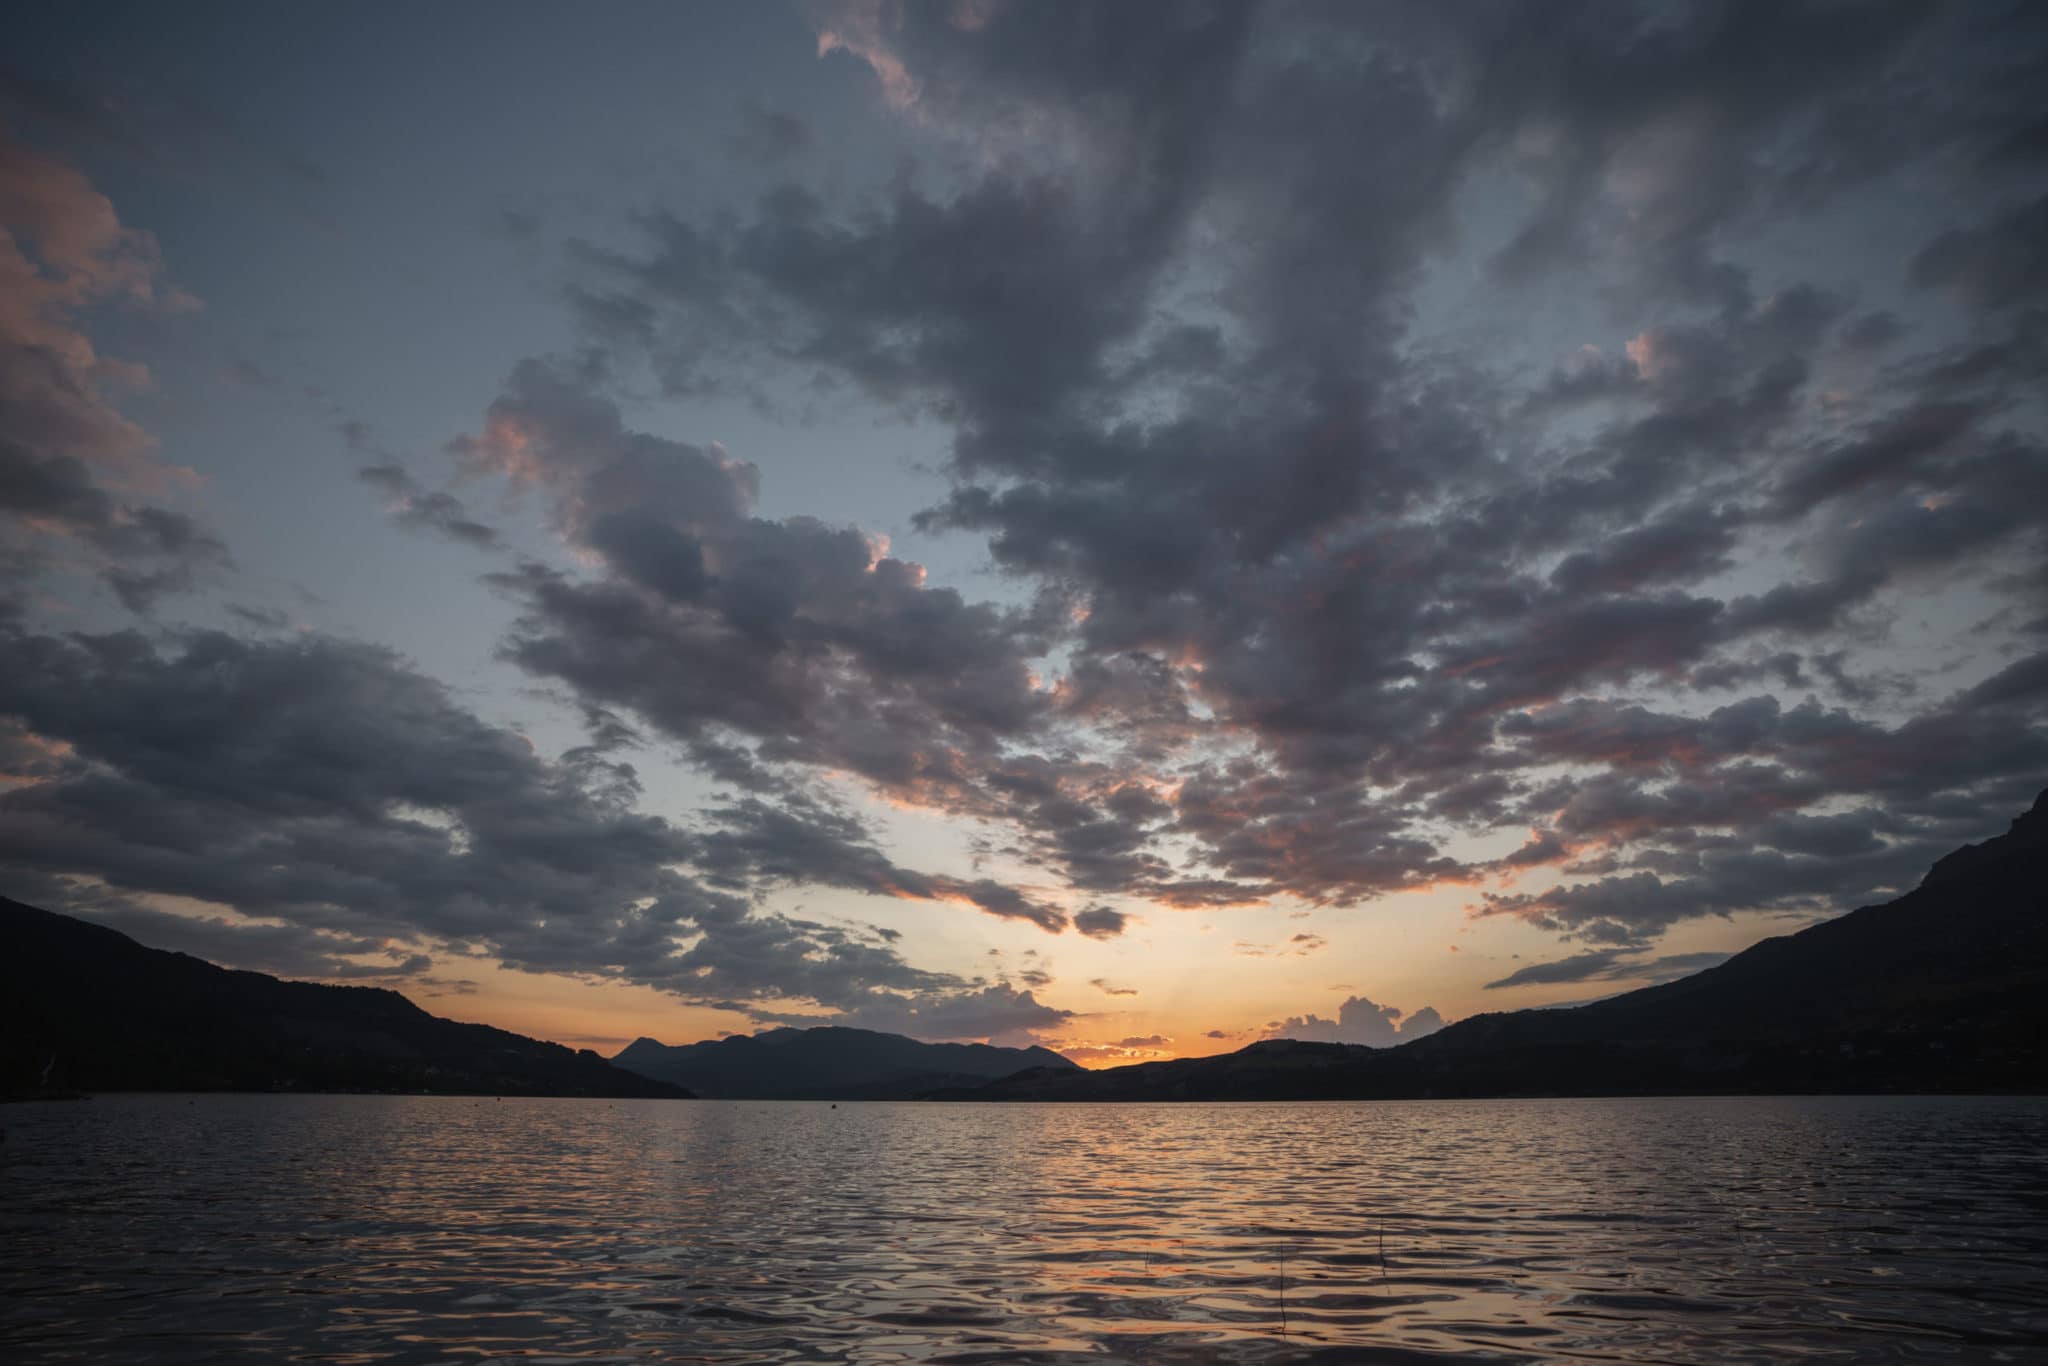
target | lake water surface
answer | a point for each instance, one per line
(359, 1228)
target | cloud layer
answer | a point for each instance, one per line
(1417, 447)
(1333, 596)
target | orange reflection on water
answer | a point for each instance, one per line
(367, 1228)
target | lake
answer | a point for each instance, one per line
(413, 1229)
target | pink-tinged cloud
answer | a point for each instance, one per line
(859, 28)
(81, 485)
(62, 248)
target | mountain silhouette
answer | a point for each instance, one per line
(829, 1063)
(1944, 989)
(86, 1008)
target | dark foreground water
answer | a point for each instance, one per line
(430, 1229)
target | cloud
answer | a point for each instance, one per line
(1999, 264)
(416, 507)
(1360, 1021)
(1100, 922)
(79, 482)
(282, 949)
(343, 806)
(1301, 594)
(800, 639)
(1740, 835)
(989, 1012)
(1109, 988)
(1304, 594)
(1608, 965)
(798, 841)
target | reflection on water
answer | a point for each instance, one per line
(423, 1229)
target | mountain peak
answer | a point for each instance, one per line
(2028, 834)
(831, 1061)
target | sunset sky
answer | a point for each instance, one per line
(1132, 527)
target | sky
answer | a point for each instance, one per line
(1131, 527)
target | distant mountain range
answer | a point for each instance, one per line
(1944, 989)
(829, 1063)
(86, 1008)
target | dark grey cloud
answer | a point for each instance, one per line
(314, 780)
(262, 618)
(347, 803)
(419, 508)
(141, 552)
(1720, 875)
(795, 840)
(1717, 808)
(1872, 332)
(988, 1012)
(1659, 132)
(1301, 589)
(1608, 965)
(1100, 922)
(2000, 264)
(1334, 595)
(790, 641)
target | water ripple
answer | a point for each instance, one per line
(383, 1229)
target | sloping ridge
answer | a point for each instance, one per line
(829, 1062)
(85, 1007)
(1943, 989)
